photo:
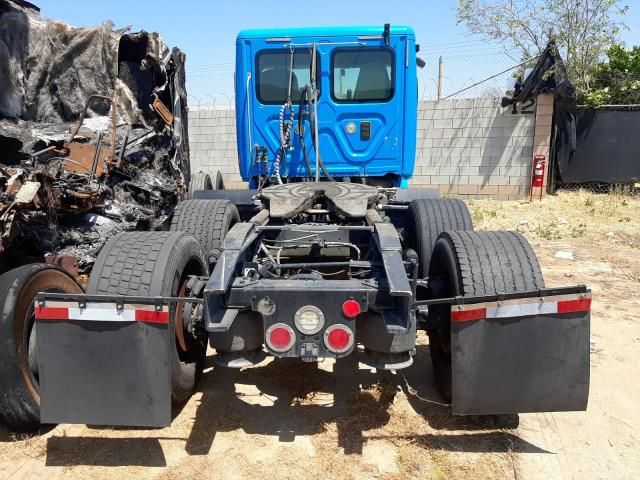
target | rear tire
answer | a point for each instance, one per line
(199, 181)
(474, 264)
(208, 221)
(156, 264)
(19, 389)
(431, 217)
(219, 181)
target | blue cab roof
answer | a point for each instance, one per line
(322, 32)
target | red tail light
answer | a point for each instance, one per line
(280, 337)
(351, 308)
(338, 338)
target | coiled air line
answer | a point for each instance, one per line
(285, 128)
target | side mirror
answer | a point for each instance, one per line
(420, 62)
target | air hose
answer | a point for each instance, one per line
(285, 138)
(303, 95)
(307, 95)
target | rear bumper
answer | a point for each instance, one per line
(385, 324)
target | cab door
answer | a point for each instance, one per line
(360, 110)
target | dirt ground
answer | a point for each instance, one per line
(343, 420)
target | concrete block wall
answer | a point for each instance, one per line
(474, 148)
(470, 148)
(212, 140)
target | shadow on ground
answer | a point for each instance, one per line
(8, 437)
(354, 408)
(105, 452)
(284, 406)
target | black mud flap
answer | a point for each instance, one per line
(521, 355)
(104, 364)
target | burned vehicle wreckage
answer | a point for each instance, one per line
(93, 137)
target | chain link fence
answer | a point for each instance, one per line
(623, 189)
(482, 75)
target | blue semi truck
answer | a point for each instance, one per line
(327, 254)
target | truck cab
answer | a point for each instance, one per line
(366, 84)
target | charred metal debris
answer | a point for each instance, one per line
(93, 137)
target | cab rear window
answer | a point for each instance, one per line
(272, 82)
(362, 75)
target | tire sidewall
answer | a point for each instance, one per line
(18, 289)
(185, 371)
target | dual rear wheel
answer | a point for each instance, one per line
(201, 181)
(130, 263)
(458, 261)
(160, 264)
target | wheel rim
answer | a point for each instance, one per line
(32, 351)
(182, 339)
(49, 280)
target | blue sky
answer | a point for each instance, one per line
(206, 31)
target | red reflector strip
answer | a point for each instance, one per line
(152, 316)
(468, 315)
(51, 313)
(110, 314)
(570, 306)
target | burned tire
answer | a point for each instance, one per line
(473, 264)
(199, 181)
(156, 264)
(429, 218)
(208, 221)
(19, 390)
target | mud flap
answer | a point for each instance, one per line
(521, 355)
(104, 364)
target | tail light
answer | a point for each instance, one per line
(338, 338)
(280, 337)
(351, 308)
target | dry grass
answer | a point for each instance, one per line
(611, 219)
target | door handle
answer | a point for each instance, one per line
(365, 130)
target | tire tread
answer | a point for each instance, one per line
(207, 220)
(430, 218)
(494, 262)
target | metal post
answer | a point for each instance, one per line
(440, 78)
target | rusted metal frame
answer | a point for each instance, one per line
(114, 124)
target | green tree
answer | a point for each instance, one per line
(616, 81)
(583, 29)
